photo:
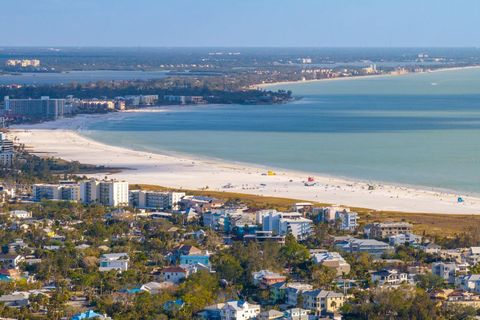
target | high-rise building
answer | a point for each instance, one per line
(107, 192)
(7, 151)
(43, 108)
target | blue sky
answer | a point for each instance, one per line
(316, 23)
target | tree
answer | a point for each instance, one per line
(322, 276)
(228, 267)
(294, 252)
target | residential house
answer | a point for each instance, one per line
(174, 274)
(239, 310)
(371, 246)
(293, 290)
(389, 277)
(470, 283)
(270, 315)
(16, 299)
(447, 271)
(20, 214)
(296, 314)
(10, 261)
(322, 301)
(114, 261)
(332, 260)
(404, 238)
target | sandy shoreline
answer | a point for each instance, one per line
(62, 139)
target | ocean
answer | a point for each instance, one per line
(417, 129)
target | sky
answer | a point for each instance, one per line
(240, 23)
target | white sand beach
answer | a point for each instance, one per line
(62, 139)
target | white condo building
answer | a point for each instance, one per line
(282, 223)
(143, 199)
(107, 192)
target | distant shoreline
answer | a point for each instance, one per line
(272, 84)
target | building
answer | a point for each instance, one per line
(387, 277)
(143, 199)
(347, 220)
(202, 259)
(404, 238)
(322, 301)
(23, 63)
(386, 229)
(43, 108)
(332, 260)
(447, 271)
(473, 255)
(266, 278)
(67, 191)
(174, 274)
(295, 289)
(106, 192)
(270, 315)
(296, 314)
(282, 223)
(7, 151)
(93, 105)
(114, 261)
(10, 261)
(20, 214)
(371, 246)
(239, 310)
(470, 282)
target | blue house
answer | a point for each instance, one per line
(90, 314)
(195, 259)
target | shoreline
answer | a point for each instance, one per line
(280, 83)
(62, 139)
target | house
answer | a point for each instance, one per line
(267, 278)
(470, 283)
(212, 312)
(183, 250)
(156, 287)
(239, 310)
(10, 261)
(174, 274)
(114, 261)
(371, 246)
(294, 290)
(322, 301)
(387, 277)
(16, 299)
(464, 299)
(332, 260)
(296, 314)
(403, 238)
(431, 248)
(90, 314)
(447, 271)
(203, 259)
(270, 315)
(473, 255)
(20, 214)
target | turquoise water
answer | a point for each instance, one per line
(421, 129)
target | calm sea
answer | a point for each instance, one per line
(421, 129)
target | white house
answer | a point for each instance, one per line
(174, 274)
(470, 283)
(239, 310)
(389, 277)
(20, 214)
(114, 261)
(282, 223)
(402, 238)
